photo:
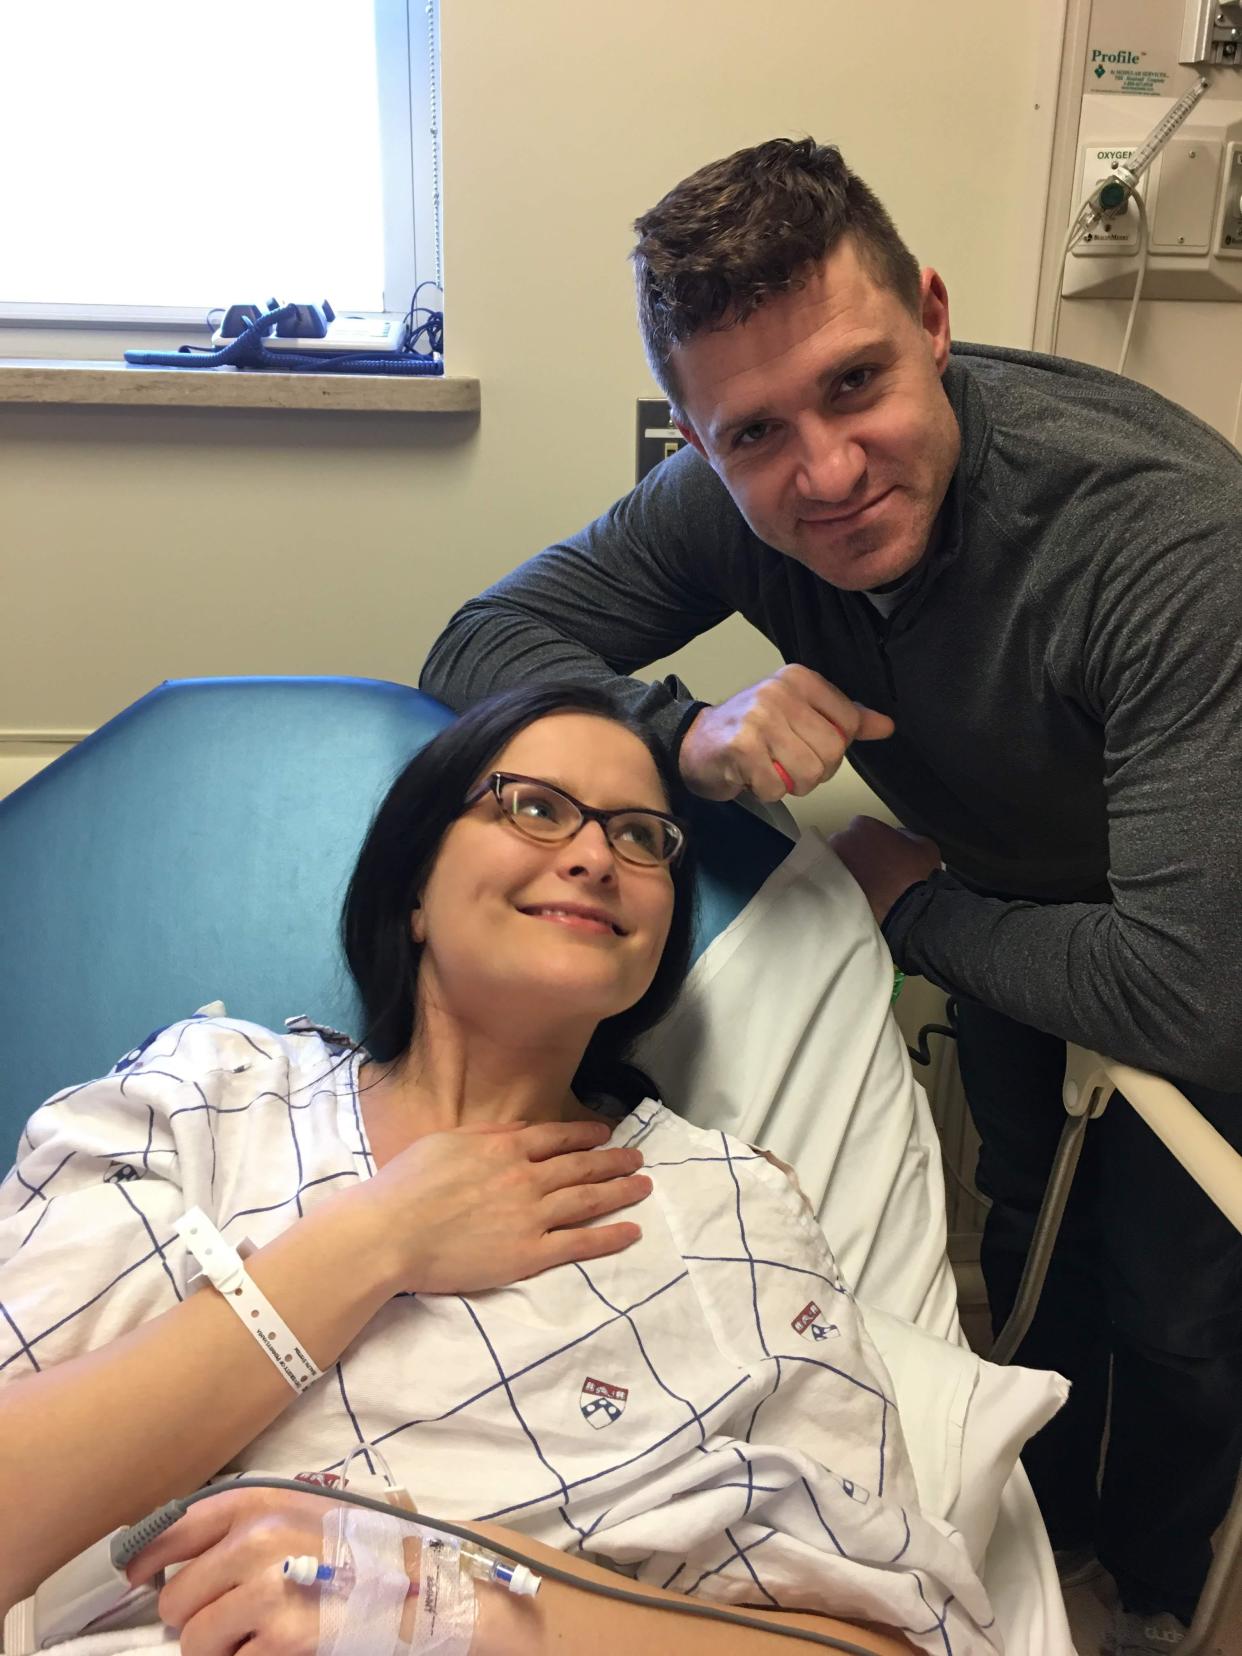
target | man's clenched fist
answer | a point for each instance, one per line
(795, 722)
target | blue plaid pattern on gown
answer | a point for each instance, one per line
(704, 1411)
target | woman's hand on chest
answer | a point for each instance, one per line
(480, 1207)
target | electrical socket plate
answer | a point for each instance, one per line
(658, 437)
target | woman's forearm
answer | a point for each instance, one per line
(562, 1619)
(100, 1440)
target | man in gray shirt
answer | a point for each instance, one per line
(1008, 587)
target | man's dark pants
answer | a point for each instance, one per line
(1146, 1272)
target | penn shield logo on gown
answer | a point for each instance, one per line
(601, 1403)
(811, 1325)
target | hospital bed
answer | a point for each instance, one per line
(197, 848)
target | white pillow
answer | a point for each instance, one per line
(965, 1421)
(784, 1037)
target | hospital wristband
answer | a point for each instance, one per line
(222, 1266)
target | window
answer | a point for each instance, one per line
(166, 160)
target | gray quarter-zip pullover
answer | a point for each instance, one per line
(1064, 671)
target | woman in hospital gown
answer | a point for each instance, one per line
(544, 1299)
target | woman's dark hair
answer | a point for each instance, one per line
(402, 845)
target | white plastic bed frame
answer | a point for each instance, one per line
(1213, 1163)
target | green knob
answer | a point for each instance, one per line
(1112, 196)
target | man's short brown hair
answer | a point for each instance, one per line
(741, 230)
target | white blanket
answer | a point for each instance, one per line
(705, 1409)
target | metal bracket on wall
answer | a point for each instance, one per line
(1211, 32)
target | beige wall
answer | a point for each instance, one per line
(143, 546)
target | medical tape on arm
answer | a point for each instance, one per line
(444, 1620)
(362, 1606)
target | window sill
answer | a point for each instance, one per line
(116, 384)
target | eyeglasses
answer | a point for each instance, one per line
(649, 839)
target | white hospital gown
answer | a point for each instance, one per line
(704, 1410)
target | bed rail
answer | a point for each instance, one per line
(1216, 1167)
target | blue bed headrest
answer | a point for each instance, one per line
(197, 847)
